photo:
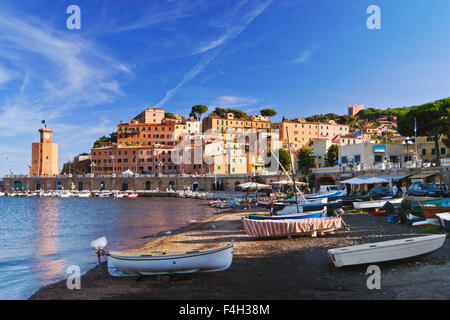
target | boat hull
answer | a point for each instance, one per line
(386, 250)
(444, 219)
(375, 204)
(307, 215)
(216, 259)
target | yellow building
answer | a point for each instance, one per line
(44, 155)
(211, 123)
(302, 132)
(426, 147)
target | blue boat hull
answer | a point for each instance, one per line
(319, 214)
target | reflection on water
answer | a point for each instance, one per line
(47, 241)
(41, 237)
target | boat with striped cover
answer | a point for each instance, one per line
(312, 214)
(288, 227)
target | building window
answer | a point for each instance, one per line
(443, 151)
(357, 158)
(433, 151)
(378, 159)
(344, 159)
(424, 152)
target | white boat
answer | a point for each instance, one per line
(118, 195)
(83, 194)
(2, 194)
(131, 264)
(386, 250)
(375, 203)
(64, 194)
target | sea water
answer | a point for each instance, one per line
(41, 237)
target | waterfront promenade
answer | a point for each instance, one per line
(206, 182)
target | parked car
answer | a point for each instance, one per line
(381, 192)
(437, 190)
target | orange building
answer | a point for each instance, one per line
(218, 124)
(301, 132)
(44, 155)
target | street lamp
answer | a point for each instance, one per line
(407, 141)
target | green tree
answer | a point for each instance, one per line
(432, 121)
(305, 159)
(268, 113)
(332, 155)
(285, 159)
(223, 113)
(168, 115)
(112, 138)
(198, 110)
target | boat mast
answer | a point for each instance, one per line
(287, 174)
(292, 169)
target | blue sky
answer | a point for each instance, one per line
(300, 57)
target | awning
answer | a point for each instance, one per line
(424, 175)
(376, 179)
(289, 182)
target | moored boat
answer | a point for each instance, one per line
(286, 227)
(385, 250)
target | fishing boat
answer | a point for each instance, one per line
(429, 210)
(385, 250)
(331, 194)
(307, 215)
(83, 194)
(444, 219)
(292, 209)
(132, 195)
(306, 203)
(157, 263)
(287, 227)
(118, 195)
(375, 203)
(380, 213)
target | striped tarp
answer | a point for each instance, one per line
(274, 228)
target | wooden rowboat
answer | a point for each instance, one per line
(130, 264)
(386, 250)
(287, 227)
(430, 211)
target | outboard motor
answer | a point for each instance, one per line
(99, 247)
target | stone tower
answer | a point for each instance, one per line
(44, 155)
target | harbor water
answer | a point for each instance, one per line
(41, 237)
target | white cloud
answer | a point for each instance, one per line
(216, 47)
(305, 56)
(234, 101)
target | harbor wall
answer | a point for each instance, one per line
(142, 182)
